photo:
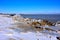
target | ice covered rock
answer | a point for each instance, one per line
(18, 18)
(58, 24)
(13, 32)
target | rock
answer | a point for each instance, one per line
(26, 19)
(58, 38)
(12, 14)
(12, 39)
(45, 22)
(58, 23)
(39, 20)
(38, 28)
(49, 29)
(36, 24)
(50, 24)
(18, 18)
(58, 31)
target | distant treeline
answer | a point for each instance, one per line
(7, 14)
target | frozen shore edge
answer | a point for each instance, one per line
(8, 23)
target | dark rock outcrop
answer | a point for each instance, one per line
(58, 38)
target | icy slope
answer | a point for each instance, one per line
(11, 34)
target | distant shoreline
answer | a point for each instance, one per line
(30, 14)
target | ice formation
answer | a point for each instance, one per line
(9, 32)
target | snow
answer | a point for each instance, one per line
(27, 36)
(11, 34)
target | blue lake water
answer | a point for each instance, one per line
(50, 17)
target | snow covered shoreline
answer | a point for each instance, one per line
(7, 31)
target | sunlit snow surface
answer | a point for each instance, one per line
(10, 34)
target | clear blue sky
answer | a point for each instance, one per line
(30, 6)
